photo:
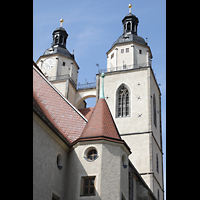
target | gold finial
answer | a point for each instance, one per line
(130, 6)
(61, 21)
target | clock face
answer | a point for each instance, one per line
(48, 63)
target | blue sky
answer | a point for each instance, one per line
(93, 26)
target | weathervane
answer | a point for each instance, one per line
(130, 6)
(61, 21)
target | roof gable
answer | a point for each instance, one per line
(59, 111)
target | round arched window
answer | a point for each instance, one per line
(59, 162)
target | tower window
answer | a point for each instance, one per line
(127, 50)
(56, 39)
(157, 166)
(112, 55)
(128, 26)
(133, 25)
(122, 50)
(61, 40)
(63, 63)
(140, 51)
(154, 111)
(158, 195)
(122, 101)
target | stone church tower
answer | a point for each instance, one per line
(134, 98)
(59, 65)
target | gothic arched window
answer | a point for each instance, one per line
(123, 101)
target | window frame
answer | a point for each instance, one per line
(123, 102)
(88, 186)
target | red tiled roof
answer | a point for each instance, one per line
(86, 112)
(101, 124)
(62, 115)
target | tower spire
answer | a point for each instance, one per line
(102, 87)
(61, 21)
(130, 6)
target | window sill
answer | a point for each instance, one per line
(87, 195)
(123, 117)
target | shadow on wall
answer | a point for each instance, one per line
(82, 183)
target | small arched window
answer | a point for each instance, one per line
(129, 26)
(59, 162)
(124, 161)
(123, 101)
(56, 39)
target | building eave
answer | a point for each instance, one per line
(103, 140)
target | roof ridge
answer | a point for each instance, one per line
(59, 93)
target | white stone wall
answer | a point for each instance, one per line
(144, 147)
(47, 178)
(134, 123)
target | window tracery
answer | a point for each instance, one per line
(123, 101)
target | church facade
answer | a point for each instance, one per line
(111, 151)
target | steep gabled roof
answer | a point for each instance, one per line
(56, 108)
(101, 125)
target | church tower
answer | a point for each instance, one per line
(59, 65)
(134, 99)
